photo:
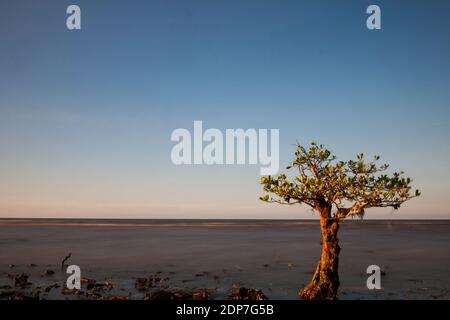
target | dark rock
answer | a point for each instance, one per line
(21, 281)
(142, 284)
(48, 273)
(152, 281)
(49, 288)
(240, 293)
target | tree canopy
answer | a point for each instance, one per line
(348, 186)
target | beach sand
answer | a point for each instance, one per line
(276, 256)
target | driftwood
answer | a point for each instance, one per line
(65, 259)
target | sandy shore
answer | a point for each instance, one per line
(277, 257)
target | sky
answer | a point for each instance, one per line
(86, 115)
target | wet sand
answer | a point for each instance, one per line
(276, 256)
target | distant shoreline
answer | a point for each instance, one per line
(209, 219)
(196, 223)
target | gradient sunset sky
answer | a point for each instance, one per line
(86, 116)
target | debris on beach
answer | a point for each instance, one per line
(160, 295)
(115, 298)
(21, 280)
(21, 297)
(32, 265)
(93, 295)
(87, 280)
(12, 265)
(142, 284)
(199, 294)
(202, 294)
(241, 293)
(102, 286)
(66, 291)
(90, 283)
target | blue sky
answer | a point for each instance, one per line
(86, 116)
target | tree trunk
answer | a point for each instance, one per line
(325, 282)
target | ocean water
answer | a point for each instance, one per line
(276, 256)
